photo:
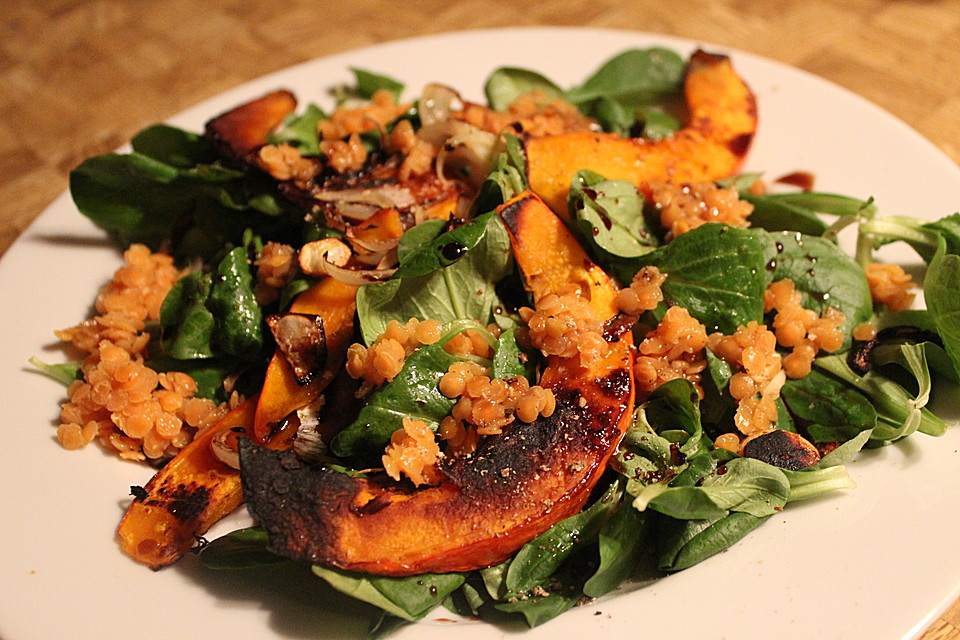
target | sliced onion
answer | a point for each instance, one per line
(360, 204)
(467, 150)
(437, 102)
(372, 246)
(329, 257)
(307, 443)
(383, 197)
(359, 276)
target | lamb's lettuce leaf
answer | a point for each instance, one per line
(715, 271)
(461, 289)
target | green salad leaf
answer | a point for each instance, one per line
(824, 275)
(715, 271)
(407, 598)
(506, 84)
(172, 187)
(609, 216)
(462, 289)
(619, 95)
(940, 288)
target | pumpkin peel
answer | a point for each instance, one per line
(245, 128)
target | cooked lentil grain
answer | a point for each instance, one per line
(563, 324)
(801, 329)
(756, 386)
(531, 112)
(673, 350)
(383, 360)
(644, 293)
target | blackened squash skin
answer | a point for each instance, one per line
(514, 487)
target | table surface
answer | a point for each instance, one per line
(80, 78)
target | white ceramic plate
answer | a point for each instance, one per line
(879, 562)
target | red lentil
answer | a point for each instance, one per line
(685, 207)
(673, 350)
(563, 324)
(890, 285)
(756, 386)
(644, 293)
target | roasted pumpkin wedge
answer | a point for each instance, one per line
(334, 302)
(245, 128)
(721, 124)
(182, 500)
(549, 256)
(487, 505)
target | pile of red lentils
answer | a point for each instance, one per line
(685, 207)
(127, 406)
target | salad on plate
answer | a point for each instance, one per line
(501, 358)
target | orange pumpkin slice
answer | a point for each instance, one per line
(713, 144)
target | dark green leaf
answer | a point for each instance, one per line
(188, 324)
(300, 130)
(133, 200)
(208, 373)
(541, 557)
(241, 549)
(898, 414)
(684, 543)
(506, 84)
(369, 83)
(823, 274)
(408, 598)
(417, 237)
(832, 410)
(613, 116)
(947, 228)
(239, 318)
(495, 579)
(412, 394)
(637, 76)
(433, 253)
(746, 485)
(609, 215)
(539, 609)
(657, 124)
(467, 600)
(62, 373)
(462, 290)
(507, 177)
(801, 211)
(173, 146)
(622, 541)
(161, 197)
(940, 287)
(715, 271)
(508, 359)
